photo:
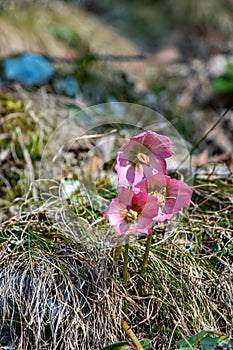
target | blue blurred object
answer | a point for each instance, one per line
(116, 106)
(28, 68)
(67, 85)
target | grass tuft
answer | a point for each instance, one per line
(59, 294)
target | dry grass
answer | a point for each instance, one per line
(54, 294)
(57, 294)
(58, 291)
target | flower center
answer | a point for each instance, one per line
(161, 195)
(131, 216)
(143, 158)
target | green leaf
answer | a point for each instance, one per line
(122, 345)
(193, 340)
(145, 343)
(223, 337)
(65, 34)
(222, 84)
(229, 70)
(208, 343)
(184, 344)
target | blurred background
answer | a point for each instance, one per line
(172, 56)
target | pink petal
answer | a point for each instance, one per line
(140, 200)
(163, 217)
(158, 165)
(142, 156)
(153, 183)
(125, 196)
(145, 225)
(113, 212)
(178, 194)
(131, 149)
(145, 205)
(127, 229)
(134, 174)
(122, 172)
(159, 145)
(149, 212)
(141, 186)
(128, 174)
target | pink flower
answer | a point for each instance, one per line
(142, 156)
(172, 194)
(132, 212)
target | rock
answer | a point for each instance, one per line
(216, 65)
(67, 85)
(28, 69)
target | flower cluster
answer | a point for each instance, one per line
(146, 193)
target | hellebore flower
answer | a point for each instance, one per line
(131, 212)
(142, 156)
(172, 194)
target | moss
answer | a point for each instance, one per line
(21, 144)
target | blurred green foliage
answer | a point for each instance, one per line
(202, 341)
(224, 83)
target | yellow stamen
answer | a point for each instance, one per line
(143, 158)
(132, 215)
(129, 215)
(124, 213)
(161, 195)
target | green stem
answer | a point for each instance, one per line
(131, 335)
(117, 254)
(142, 272)
(125, 275)
(125, 266)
